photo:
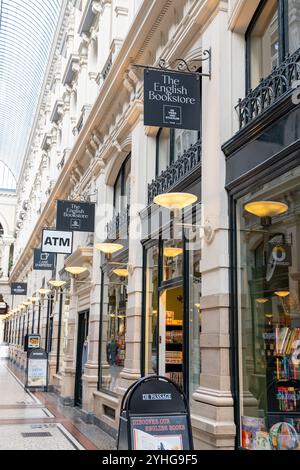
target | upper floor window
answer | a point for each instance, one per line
(122, 187)
(273, 32)
(171, 144)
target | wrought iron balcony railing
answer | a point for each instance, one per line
(176, 172)
(118, 226)
(281, 81)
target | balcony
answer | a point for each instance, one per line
(177, 172)
(117, 228)
(270, 91)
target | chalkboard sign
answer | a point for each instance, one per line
(154, 416)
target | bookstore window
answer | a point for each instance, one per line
(268, 254)
(172, 313)
(113, 346)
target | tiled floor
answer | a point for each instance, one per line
(37, 421)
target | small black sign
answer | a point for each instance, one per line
(37, 369)
(75, 216)
(171, 99)
(43, 261)
(3, 308)
(18, 288)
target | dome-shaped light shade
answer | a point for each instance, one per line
(33, 299)
(26, 303)
(266, 208)
(175, 200)
(56, 283)
(172, 252)
(261, 300)
(109, 248)
(282, 293)
(44, 291)
(75, 269)
(122, 272)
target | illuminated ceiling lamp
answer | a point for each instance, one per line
(175, 201)
(266, 208)
(121, 272)
(172, 252)
(27, 303)
(109, 248)
(44, 291)
(282, 293)
(33, 299)
(261, 300)
(75, 270)
(56, 283)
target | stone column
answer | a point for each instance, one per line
(53, 352)
(212, 403)
(131, 371)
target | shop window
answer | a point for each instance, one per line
(172, 318)
(171, 144)
(151, 333)
(122, 187)
(113, 327)
(294, 25)
(268, 253)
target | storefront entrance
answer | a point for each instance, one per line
(171, 334)
(82, 351)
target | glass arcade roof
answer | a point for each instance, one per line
(27, 29)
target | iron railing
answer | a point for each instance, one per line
(279, 83)
(176, 172)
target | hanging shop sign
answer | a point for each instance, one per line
(43, 261)
(171, 99)
(18, 288)
(56, 241)
(37, 369)
(154, 416)
(75, 216)
(3, 308)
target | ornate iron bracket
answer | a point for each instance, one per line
(182, 66)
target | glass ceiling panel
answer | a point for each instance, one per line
(27, 29)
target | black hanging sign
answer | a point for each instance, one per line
(18, 288)
(43, 261)
(171, 99)
(75, 216)
(3, 308)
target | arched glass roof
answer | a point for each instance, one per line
(7, 178)
(27, 29)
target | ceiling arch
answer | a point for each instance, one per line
(27, 29)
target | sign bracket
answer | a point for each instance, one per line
(182, 66)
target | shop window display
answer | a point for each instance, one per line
(268, 253)
(114, 329)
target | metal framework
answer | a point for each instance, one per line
(279, 83)
(27, 30)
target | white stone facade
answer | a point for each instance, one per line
(90, 118)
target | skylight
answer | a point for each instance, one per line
(27, 29)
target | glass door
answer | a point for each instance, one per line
(171, 334)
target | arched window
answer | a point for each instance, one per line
(273, 33)
(122, 187)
